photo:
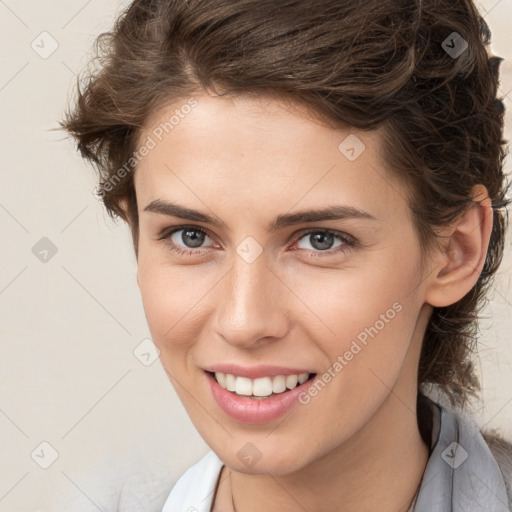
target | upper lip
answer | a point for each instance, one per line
(255, 372)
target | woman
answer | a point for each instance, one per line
(315, 192)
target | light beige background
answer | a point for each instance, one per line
(68, 374)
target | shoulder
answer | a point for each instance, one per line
(468, 465)
(151, 491)
(195, 489)
(134, 487)
(497, 447)
(501, 450)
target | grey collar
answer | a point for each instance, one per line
(462, 474)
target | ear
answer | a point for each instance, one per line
(459, 263)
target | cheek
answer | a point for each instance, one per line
(173, 298)
(371, 317)
(366, 315)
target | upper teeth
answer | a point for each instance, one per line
(263, 386)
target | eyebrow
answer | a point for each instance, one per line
(332, 212)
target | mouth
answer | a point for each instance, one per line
(260, 400)
(262, 388)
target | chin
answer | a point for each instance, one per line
(262, 457)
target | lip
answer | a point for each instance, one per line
(253, 411)
(255, 372)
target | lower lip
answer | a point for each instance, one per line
(255, 411)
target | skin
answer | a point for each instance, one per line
(248, 160)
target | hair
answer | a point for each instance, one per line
(371, 65)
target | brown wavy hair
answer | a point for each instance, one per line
(371, 64)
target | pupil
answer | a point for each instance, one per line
(321, 236)
(196, 240)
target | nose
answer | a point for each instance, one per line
(251, 307)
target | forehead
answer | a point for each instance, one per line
(259, 147)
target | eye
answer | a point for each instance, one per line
(189, 240)
(321, 241)
(191, 237)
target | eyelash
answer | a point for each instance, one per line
(348, 241)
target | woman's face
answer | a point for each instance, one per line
(271, 292)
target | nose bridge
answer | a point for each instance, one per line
(250, 306)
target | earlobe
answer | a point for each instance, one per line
(461, 260)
